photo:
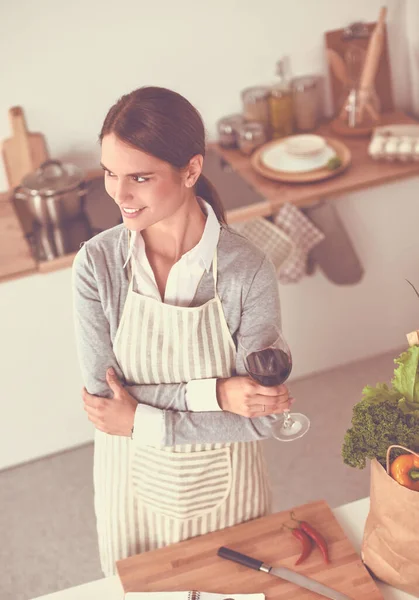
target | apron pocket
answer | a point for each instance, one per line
(181, 485)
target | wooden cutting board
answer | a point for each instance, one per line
(342, 151)
(194, 564)
(338, 45)
(23, 152)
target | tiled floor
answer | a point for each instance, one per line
(46, 507)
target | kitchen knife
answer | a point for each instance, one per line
(282, 573)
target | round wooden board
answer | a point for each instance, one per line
(341, 128)
(340, 148)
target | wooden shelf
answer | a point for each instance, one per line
(62, 262)
(364, 172)
(15, 254)
(16, 258)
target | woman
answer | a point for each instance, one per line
(160, 302)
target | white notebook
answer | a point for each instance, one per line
(190, 596)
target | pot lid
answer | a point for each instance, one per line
(52, 177)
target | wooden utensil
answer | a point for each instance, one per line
(372, 59)
(194, 564)
(23, 152)
(338, 67)
(340, 43)
(342, 151)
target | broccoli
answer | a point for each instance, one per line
(376, 425)
(386, 415)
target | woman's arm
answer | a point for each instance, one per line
(94, 344)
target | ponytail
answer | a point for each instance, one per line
(205, 189)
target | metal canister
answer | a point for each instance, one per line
(251, 136)
(306, 102)
(227, 130)
(256, 105)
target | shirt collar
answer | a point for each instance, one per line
(131, 243)
(202, 252)
(205, 248)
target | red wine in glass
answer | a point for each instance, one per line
(271, 366)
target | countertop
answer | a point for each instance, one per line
(351, 517)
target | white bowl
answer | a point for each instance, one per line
(305, 145)
(277, 158)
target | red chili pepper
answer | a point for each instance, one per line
(306, 544)
(317, 538)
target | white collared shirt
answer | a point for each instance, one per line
(181, 286)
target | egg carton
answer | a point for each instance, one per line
(395, 143)
(267, 237)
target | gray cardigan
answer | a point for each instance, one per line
(248, 289)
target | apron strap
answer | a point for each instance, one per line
(129, 261)
(215, 271)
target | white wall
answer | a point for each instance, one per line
(329, 325)
(66, 63)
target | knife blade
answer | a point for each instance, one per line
(282, 573)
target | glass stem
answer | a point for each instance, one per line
(287, 419)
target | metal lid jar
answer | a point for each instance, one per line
(256, 105)
(306, 102)
(251, 135)
(227, 130)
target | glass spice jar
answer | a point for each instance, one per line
(227, 130)
(251, 135)
(280, 105)
(256, 106)
(306, 102)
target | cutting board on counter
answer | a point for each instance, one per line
(23, 152)
(194, 564)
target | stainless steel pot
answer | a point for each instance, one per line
(53, 194)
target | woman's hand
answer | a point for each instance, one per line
(243, 396)
(114, 416)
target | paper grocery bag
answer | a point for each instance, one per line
(390, 547)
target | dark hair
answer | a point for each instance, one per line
(164, 124)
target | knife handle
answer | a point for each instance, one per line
(242, 559)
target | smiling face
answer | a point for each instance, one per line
(146, 189)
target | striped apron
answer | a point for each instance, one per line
(149, 497)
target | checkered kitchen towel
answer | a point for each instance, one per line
(273, 242)
(304, 235)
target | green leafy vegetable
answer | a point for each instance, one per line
(334, 163)
(406, 380)
(386, 415)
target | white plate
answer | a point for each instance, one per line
(277, 158)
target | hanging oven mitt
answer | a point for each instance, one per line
(190, 596)
(304, 235)
(335, 255)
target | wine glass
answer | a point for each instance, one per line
(269, 362)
